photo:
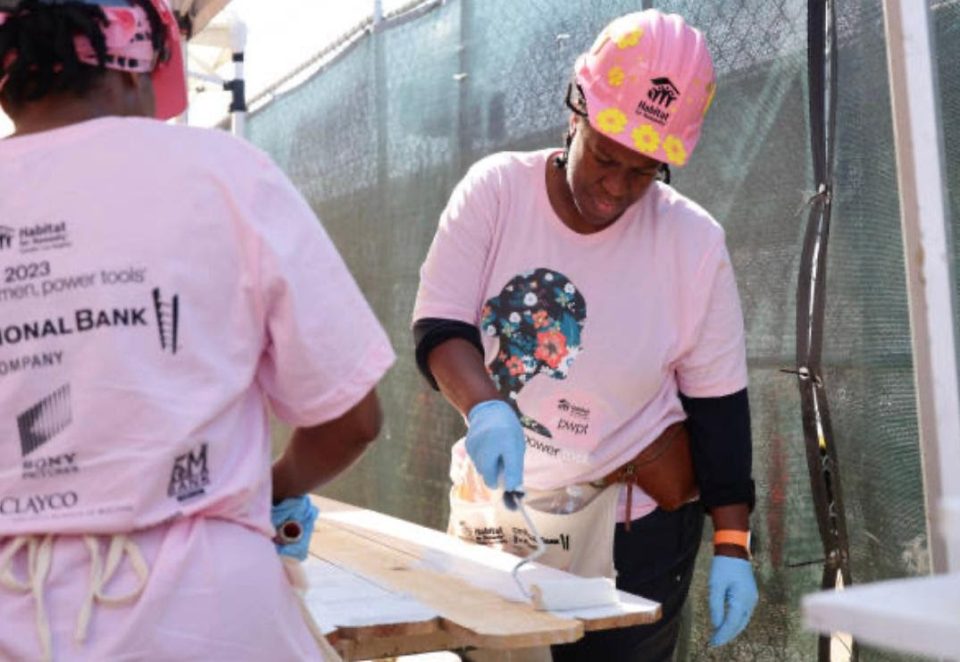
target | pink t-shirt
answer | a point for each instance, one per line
(590, 336)
(161, 287)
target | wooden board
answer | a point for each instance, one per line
(383, 586)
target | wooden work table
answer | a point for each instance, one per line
(381, 586)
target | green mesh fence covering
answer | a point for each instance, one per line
(377, 139)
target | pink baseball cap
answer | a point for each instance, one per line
(648, 81)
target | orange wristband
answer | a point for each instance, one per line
(732, 537)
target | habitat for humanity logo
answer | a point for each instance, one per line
(44, 236)
(661, 94)
(6, 237)
(571, 410)
(39, 237)
(40, 423)
(190, 474)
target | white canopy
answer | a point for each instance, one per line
(199, 11)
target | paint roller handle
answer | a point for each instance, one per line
(495, 444)
(293, 520)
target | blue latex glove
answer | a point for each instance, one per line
(495, 443)
(733, 595)
(302, 511)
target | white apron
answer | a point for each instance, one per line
(576, 523)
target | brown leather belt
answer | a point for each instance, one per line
(664, 470)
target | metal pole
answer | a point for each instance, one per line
(927, 246)
(238, 105)
(184, 117)
(377, 14)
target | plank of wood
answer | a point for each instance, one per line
(386, 647)
(479, 566)
(342, 601)
(475, 616)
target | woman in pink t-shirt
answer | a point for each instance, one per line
(166, 287)
(576, 309)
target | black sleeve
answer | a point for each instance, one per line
(432, 331)
(722, 448)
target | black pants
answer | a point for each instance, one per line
(654, 560)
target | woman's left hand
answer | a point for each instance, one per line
(733, 595)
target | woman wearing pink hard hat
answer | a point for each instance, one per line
(167, 287)
(583, 316)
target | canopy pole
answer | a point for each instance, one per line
(237, 86)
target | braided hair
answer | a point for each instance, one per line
(37, 52)
(578, 104)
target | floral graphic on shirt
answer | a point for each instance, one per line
(515, 366)
(538, 318)
(551, 348)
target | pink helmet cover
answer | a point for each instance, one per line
(170, 76)
(648, 81)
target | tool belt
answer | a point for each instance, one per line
(664, 470)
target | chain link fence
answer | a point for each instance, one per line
(377, 139)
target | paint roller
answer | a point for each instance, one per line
(289, 532)
(558, 594)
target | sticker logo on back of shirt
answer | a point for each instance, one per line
(167, 313)
(34, 238)
(6, 238)
(44, 237)
(190, 474)
(39, 423)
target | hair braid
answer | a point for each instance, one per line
(37, 52)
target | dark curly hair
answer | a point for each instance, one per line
(37, 52)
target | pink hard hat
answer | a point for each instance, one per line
(648, 81)
(170, 75)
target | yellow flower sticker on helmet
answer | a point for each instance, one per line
(629, 39)
(616, 76)
(646, 139)
(675, 151)
(611, 120)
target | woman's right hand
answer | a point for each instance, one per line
(302, 514)
(496, 444)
